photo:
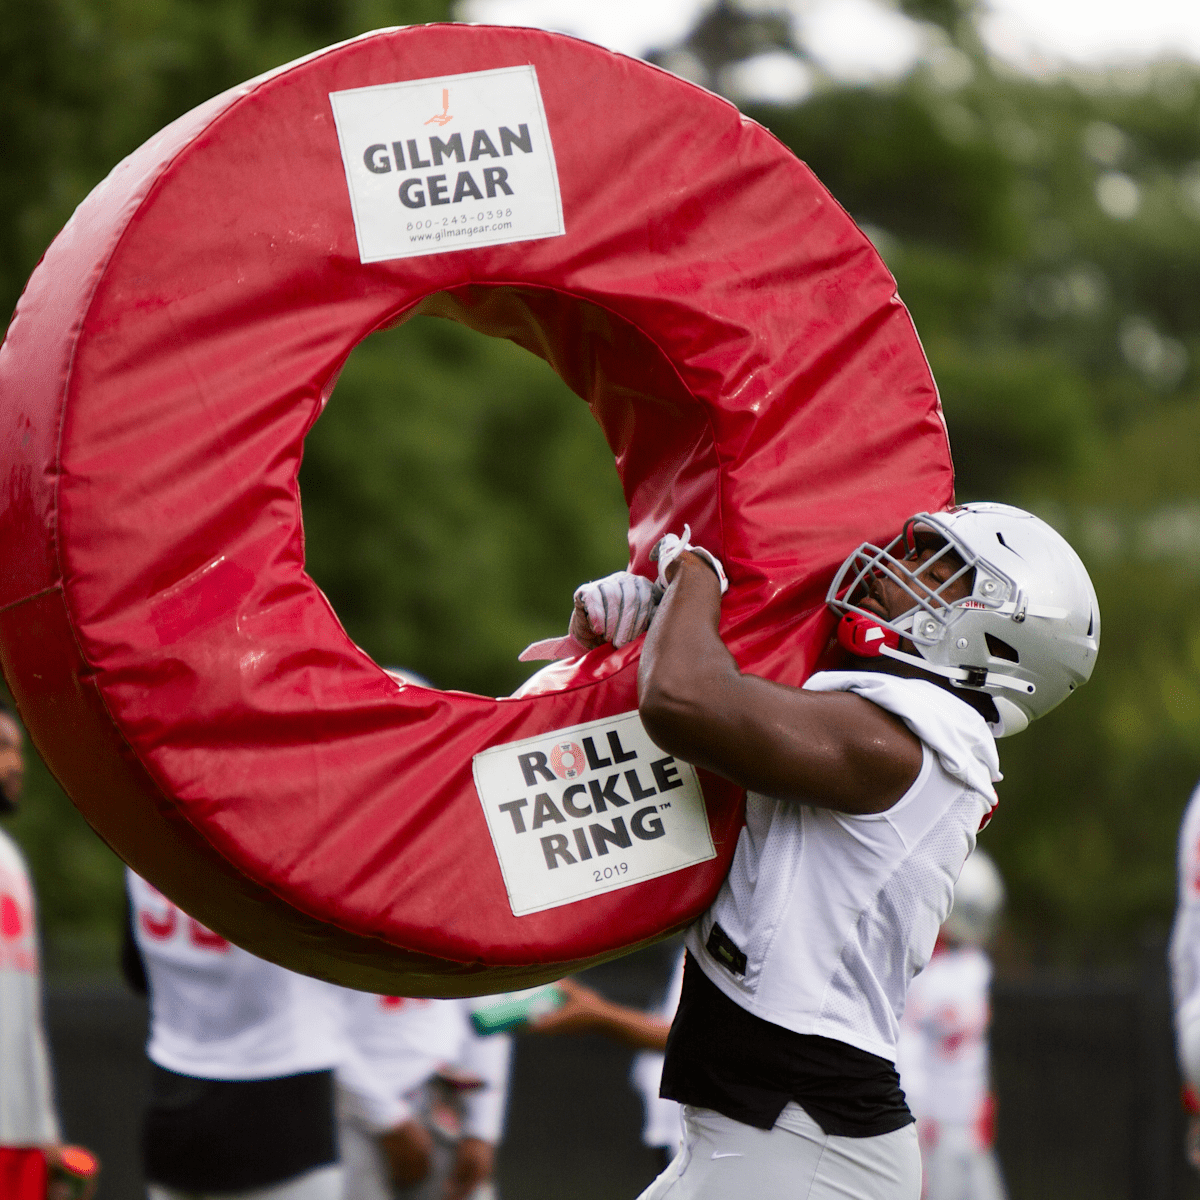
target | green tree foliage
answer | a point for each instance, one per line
(87, 81)
(455, 494)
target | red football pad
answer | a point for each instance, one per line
(737, 338)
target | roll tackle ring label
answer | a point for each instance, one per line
(448, 163)
(589, 809)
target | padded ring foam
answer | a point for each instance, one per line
(737, 338)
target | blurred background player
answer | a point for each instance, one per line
(942, 1054)
(242, 1054)
(421, 1099)
(33, 1162)
(1185, 972)
(662, 1129)
(421, 1096)
(586, 1011)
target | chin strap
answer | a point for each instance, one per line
(970, 677)
(866, 638)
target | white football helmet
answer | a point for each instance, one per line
(978, 899)
(1027, 634)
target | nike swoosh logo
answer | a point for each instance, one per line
(727, 1154)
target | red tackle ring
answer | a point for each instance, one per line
(738, 339)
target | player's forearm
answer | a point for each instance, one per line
(641, 1031)
(685, 666)
(696, 704)
(834, 750)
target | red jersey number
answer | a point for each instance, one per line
(162, 925)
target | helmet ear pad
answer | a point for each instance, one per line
(859, 635)
(1013, 718)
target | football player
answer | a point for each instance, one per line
(421, 1099)
(865, 790)
(586, 1011)
(242, 1054)
(33, 1161)
(1185, 972)
(942, 1053)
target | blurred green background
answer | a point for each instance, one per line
(1045, 235)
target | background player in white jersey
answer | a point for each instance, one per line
(1185, 971)
(865, 789)
(243, 1051)
(421, 1099)
(942, 1054)
(31, 1152)
(586, 1011)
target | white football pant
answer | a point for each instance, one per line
(722, 1158)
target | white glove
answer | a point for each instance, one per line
(669, 548)
(616, 609)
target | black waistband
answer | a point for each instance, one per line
(219, 1135)
(720, 1056)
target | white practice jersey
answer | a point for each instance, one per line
(27, 1116)
(836, 913)
(396, 1044)
(1185, 945)
(943, 1051)
(663, 1123)
(219, 1012)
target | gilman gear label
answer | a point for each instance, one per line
(449, 163)
(589, 809)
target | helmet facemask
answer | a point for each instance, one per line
(923, 624)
